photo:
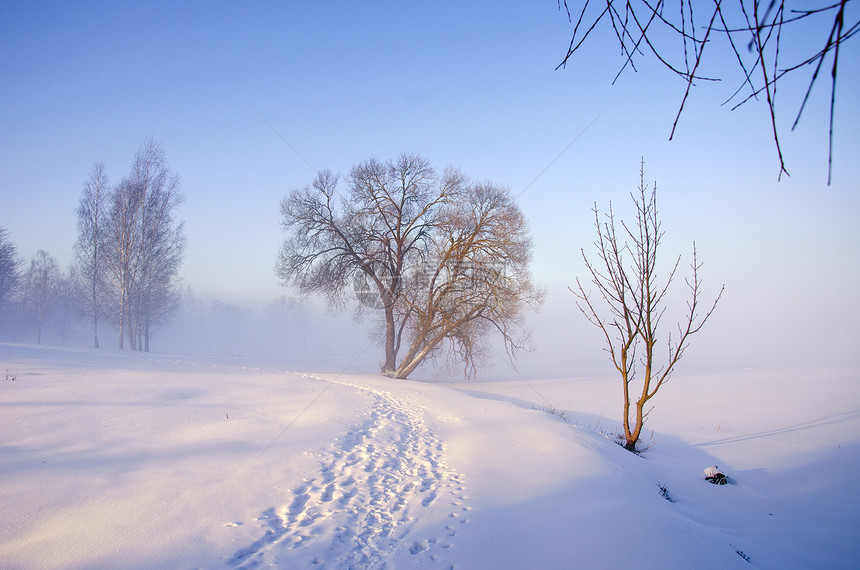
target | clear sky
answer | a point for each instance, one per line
(468, 84)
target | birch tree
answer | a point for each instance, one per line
(90, 248)
(161, 245)
(146, 242)
(123, 253)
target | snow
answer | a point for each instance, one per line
(127, 460)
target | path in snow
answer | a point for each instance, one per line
(373, 484)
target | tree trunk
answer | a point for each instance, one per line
(416, 355)
(122, 310)
(631, 438)
(95, 316)
(390, 366)
(130, 329)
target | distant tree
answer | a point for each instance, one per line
(287, 316)
(144, 247)
(10, 267)
(123, 252)
(162, 245)
(401, 240)
(68, 298)
(90, 248)
(625, 275)
(40, 289)
(757, 34)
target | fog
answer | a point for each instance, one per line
(757, 325)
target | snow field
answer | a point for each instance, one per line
(139, 461)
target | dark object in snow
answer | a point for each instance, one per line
(713, 475)
(664, 492)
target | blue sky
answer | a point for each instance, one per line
(465, 84)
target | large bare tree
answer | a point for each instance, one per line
(90, 253)
(476, 281)
(768, 40)
(372, 235)
(631, 302)
(392, 240)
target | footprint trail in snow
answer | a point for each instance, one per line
(377, 480)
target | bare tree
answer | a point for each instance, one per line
(145, 246)
(162, 243)
(375, 233)
(90, 248)
(67, 295)
(10, 267)
(633, 296)
(758, 34)
(161, 287)
(40, 288)
(123, 253)
(477, 281)
(381, 239)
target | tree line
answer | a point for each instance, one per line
(126, 264)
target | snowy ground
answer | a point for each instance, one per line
(125, 460)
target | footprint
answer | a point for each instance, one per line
(309, 519)
(327, 493)
(298, 505)
(429, 498)
(347, 496)
(328, 475)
